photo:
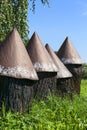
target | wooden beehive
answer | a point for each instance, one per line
(63, 74)
(17, 74)
(70, 57)
(44, 65)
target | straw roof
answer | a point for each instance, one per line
(63, 71)
(14, 59)
(40, 57)
(68, 54)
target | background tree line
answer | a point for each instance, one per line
(13, 13)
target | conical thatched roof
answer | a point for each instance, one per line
(63, 71)
(68, 54)
(14, 59)
(40, 58)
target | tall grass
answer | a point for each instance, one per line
(55, 113)
(83, 88)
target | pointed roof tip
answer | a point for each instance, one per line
(68, 53)
(63, 71)
(34, 39)
(66, 40)
(39, 56)
(13, 34)
(14, 29)
(12, 63)
(34, 34)
(67, 37)
(46, 45)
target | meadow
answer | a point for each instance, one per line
(55, 113)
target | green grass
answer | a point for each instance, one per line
(55, 113)
(84, 88)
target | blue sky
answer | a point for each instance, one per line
(63, 18)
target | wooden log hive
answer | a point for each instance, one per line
(63, 75)
(70, 57)
(44, 65)
(17, 74)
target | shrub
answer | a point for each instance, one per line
(84, 71)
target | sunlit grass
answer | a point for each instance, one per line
(55, 113)
(83, 88)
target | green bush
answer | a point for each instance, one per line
(84, 71)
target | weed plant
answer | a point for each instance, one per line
(55, 113)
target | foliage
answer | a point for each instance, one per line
(55, 113)
(84, 71)
(84, 88)
(34, 1)
(13, 13)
